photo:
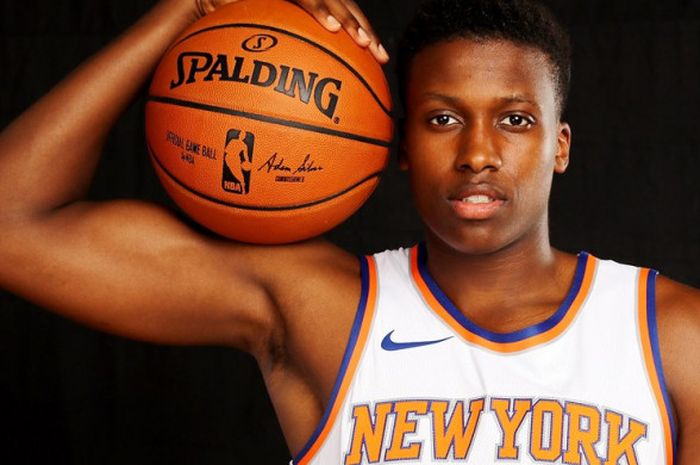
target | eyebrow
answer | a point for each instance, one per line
(515, 98)
(442, 97)
(519, 98)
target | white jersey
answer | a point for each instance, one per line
(421, 384)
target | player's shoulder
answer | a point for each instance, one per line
(678, 315)
(677, 303)
(303, 285)
(678, 325)
(314, 260)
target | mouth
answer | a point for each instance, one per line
(477, 202)
(478, 199)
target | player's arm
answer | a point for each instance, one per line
(126, 267)
(678, 322)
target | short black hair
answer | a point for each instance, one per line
(524, 22)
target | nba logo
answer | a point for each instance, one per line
(238, 160)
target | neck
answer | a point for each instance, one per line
(506, 289)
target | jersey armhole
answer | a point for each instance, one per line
(652, 357)
(353, 351)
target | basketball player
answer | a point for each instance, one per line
(482, 345)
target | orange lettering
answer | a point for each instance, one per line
(510, 424)
(580, 438)
(454, 434)
(403, 426)
(556, 418)
(618, 447)
(368, 433)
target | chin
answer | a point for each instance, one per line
(469, 241)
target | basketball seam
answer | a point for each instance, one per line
(299, 37)
(268, 119)
(257, 207)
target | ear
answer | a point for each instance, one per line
(561, 160)
(403, 155)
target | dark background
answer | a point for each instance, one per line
(69, 395)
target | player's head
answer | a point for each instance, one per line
(484, 84)
(524, 22)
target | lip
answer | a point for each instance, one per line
(478, 211)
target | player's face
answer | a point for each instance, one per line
(483, 139)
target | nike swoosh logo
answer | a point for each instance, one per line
(388, 344)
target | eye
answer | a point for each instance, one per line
(443, 120)
(517, 121)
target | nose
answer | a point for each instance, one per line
(477, 149)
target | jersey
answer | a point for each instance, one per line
(420, 383)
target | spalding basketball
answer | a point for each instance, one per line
(265, 127)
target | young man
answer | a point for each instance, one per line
(484, 344)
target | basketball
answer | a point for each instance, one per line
(266, 128)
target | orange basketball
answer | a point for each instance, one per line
(265, 127)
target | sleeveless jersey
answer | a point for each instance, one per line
(421, 384)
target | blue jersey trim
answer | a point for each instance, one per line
(656, 351)
(515, 336)
(349, 349)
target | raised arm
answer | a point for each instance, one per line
(107, 265)
(126, 267)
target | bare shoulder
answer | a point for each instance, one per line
(678, 318)
(314, 284)
(290, 262)
(678, 323)
(300, 273)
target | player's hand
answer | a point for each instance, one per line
(333, 15)
(336, 14)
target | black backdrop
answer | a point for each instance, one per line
(69, 395)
